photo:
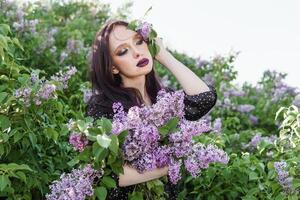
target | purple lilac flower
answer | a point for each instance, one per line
(63, 56)
(144, 29)
(202, 156)
(217, 125)
(167, 107)
(246, 108)
(174, 171)
(283, 176)
(48, 40)
(162, 155)
(209, 79)
(281, 89)
(253, 119)
(78, 141)
(165, 80)
(201, 62)
(24, 95)
(145, 162)
(296, 101)
(34, 77)
(63, 77)
(87, 94)
(74, 46)
(76, 185)
(46, 91)
(257, 139)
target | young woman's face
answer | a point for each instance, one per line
(127, 48)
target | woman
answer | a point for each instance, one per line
(122, 71)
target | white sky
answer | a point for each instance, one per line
(266, 32)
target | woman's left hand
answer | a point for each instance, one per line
(162, 53)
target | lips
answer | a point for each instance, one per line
(142, 62)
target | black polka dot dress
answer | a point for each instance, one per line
(196, 106)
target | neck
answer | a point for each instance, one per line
(138, 83)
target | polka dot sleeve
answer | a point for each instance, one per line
(200, 104)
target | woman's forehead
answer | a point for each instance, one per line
(119, 35)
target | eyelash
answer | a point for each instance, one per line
(139, 42)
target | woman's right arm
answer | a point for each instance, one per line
(131, 176)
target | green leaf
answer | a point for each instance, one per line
(103, 140)
(106, 125)
(17, 136)
(16, 42)
(51, 133)
(85, 154)
(4, 122)
(81, 125)
(3, 95)
(4, 181)
(21, 175)
(109, 182)
(73, 162)
(101, 193)
(253, 176)
(33, 139)
(4, 29)
(136, 196)
(114, 145)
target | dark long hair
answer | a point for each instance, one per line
(106, 86)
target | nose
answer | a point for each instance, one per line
(136, 52)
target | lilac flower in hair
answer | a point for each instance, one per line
(144, 29)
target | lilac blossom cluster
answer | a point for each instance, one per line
(257, 139)
(73, 46)
(63, 77)
(43, 89)
(21, 24)
(45, 92)
(78, 141)
(202, 156)
(48, 41)
(201, 62)
(296, 101)
(144, 29)
(76, 185)
(143, 147)
(168, 106)
(231, 91)
(87, 94)
(245, 108)
(217, 125)
(283, 176)
(280, 89)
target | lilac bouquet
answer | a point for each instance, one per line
(160, 136)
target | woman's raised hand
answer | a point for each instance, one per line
(163, 52)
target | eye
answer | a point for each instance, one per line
(140, 42)
(120, 53)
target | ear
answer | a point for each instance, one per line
(115, 70)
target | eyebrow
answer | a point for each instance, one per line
(134, 36)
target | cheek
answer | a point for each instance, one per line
(124, 64)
